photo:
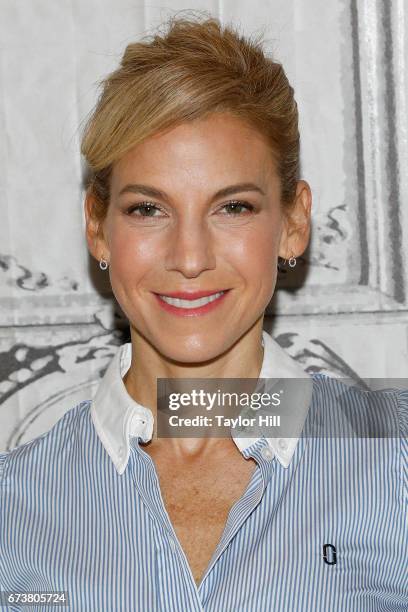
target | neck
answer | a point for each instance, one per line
(242, 360)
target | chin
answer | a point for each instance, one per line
(193, 349)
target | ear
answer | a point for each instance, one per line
(93, 229)
(296, 223)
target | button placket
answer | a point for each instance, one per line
(154, 503)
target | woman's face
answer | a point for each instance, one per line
(194, 209)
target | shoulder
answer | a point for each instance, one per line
(40, 449)
(367, 419)
(366, 412)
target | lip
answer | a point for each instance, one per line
(191, 312)
(191, 295)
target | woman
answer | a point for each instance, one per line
(194, 194)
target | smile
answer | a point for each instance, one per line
(189, 307)
(191, 303)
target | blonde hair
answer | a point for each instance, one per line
(195, 67)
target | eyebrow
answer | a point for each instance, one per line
(152, 192)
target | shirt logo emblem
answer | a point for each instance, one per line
(329, 554)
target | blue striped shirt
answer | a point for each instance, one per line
(322, 524)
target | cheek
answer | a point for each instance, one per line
(254, 253)
(132, 254)
(255, 260)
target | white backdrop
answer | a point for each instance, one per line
(343, 310)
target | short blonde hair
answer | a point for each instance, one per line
(195, 67)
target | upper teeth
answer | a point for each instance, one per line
(191, 303)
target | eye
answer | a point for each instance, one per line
(236, 207)
(144, 209)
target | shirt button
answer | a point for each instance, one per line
(282, 444)
(267, 453)
(120, 451)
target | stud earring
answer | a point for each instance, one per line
(103, 264)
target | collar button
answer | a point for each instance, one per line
(137, 424)
(282, 444)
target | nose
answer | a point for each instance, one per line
(190, 248)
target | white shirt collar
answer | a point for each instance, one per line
(117, 417)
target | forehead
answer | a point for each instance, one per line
(199, 150)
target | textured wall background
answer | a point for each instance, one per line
(343, 310)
